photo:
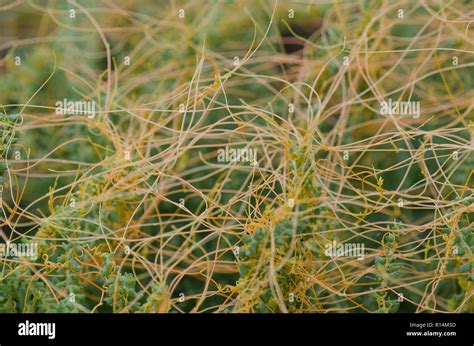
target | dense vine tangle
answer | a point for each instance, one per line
(238, 157)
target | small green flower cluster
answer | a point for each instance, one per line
(255, 255)
(121, 292)
(254, 245)
(8, 137)
(387, 273)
